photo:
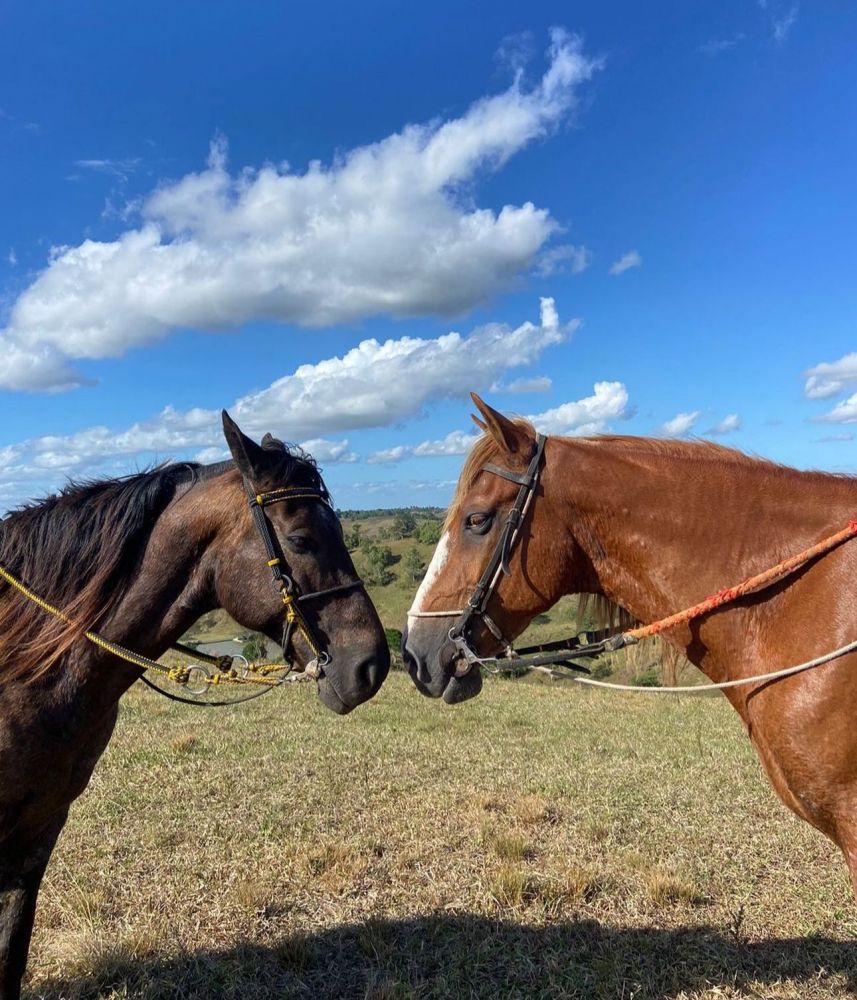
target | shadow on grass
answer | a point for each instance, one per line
(475, 957)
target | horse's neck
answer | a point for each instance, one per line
(173, 585)
(664, 525)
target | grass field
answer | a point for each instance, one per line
(541, 841)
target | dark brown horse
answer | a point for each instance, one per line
(655, 526)
(141, 559)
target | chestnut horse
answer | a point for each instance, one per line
(654, 526)
(141, 559)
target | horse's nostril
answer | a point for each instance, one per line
(371, 672)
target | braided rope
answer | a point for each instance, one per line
(178, 675)
(747, 586)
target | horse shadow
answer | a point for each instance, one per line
(474, 957)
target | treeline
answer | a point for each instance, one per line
(437, 513)
(424, 527)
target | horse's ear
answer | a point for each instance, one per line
(249, 457)
(479, 423)
(506, 432)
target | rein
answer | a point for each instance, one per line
(588, 645)
(195, 676)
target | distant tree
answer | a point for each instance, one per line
(404, 525)
(412, 565)
(394, 641)
(429, 532)
(355, 537)
(378, 560)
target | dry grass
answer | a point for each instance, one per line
(540, 842)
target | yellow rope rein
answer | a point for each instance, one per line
(179, 674)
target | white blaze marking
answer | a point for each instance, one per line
(438, 561)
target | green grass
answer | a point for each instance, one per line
(539, 842)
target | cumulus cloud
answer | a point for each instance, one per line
(591, 415)
(333, 396)
(343, 393)
(680, 424)
(830, 378)
(455, 443)
(626, 262)
(728, 425)
(844, 412)
(582, 417)
(387, 228)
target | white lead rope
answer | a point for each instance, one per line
(700, 688)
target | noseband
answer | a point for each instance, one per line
(292, 600)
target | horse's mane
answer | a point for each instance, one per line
(486, 450)
(80, 547)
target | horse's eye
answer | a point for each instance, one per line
(478, 523)
(299, 543)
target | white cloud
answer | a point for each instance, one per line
(591, 415)
(115, 168)
(728, 425)
(783, 24)
(519, 386)
(830, 378)
(835, 438)
(343, 393)
(455, 443)
(563, 258)
(335, 395)
(680, 424)
(323, 450)
(843, 413)
(626, 262)
(12, 257)
(387, 228)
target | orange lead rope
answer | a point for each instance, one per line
(747, 586)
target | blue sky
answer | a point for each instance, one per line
(336, 219)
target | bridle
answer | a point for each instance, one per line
(497, 566)
(295, 620)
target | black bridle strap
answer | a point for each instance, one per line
(499, 560)
(295, 618)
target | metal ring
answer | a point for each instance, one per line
(323, 658)
(198, 679)
(242, 671)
